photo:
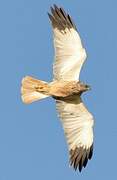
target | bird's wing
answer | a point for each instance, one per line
(78, 127)
(69, 52)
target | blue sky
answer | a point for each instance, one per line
(32, 143)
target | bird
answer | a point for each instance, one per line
(66, 88)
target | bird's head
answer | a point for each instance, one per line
(84, 87)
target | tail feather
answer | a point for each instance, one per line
(33, 89)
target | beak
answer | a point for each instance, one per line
(88, 87)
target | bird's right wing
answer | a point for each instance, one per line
(69, 52)
(78, 127)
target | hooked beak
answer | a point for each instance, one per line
(88, 87)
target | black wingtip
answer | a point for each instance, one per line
(91, 152)
(79, 157)
(60, 19)
(55, 6)
(50, 16)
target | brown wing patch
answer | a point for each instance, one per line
(79, 157)
(60, 19)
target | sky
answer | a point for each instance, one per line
(32, 142)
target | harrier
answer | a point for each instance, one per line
(66, 88)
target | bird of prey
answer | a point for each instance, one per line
(66, 88)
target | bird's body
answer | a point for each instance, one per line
(56, 89)
(66, 88)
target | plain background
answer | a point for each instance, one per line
(32, 142)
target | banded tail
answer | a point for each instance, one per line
(33, 89)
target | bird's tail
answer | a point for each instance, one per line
(33, 89)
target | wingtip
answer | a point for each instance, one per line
(55, 6)
(50, 16)
(79, 157)
(60, 18)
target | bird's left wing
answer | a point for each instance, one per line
(78, 127)
(69, 52)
